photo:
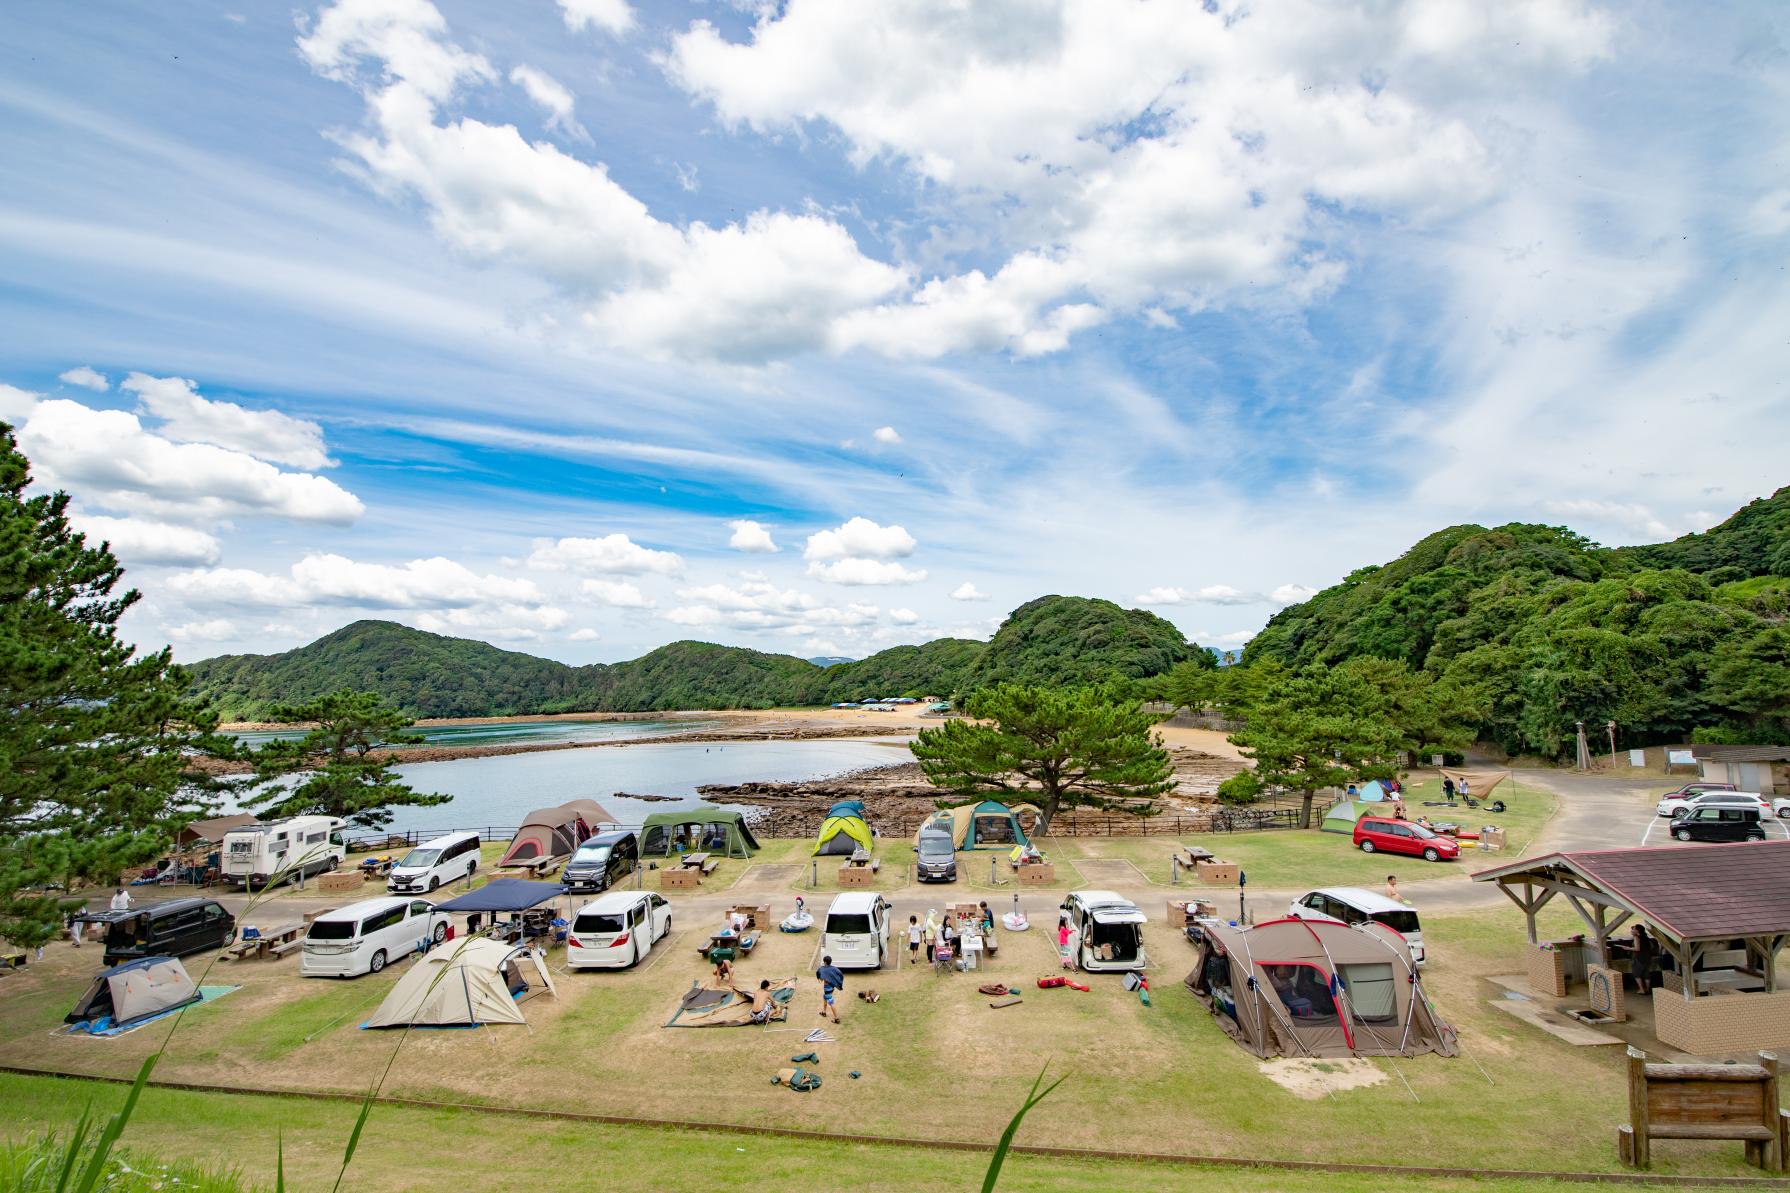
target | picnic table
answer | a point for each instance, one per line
(696, 860)
(275, 941)
(727, 940)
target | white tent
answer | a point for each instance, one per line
(461, 984)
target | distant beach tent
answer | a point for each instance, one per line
(1342, 816)
(1372, 791)
(716, 830)
(554, 832)
(844, 829)
(987, 825)
(464, 984)
(136, 990)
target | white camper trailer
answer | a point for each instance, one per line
(283, 851)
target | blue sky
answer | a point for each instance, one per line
(544, 323)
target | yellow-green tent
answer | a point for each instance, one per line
(844, 829)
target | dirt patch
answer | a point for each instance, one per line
(1314, 1079)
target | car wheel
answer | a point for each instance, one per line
(1430, 855)
(433, 882)
(1367, 847)
(333, 863)
(1755, 836)
(440, 933)
(229, 939)
(1682, 834)
(377, 963)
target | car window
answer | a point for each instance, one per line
(382, 919)
(843, 923)
(213, 912)
(598, 924)
(421, 907)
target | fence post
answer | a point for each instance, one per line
(1174, 870)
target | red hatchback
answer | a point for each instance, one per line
(1383, 835)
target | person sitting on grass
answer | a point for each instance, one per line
(832, 980)
(762, 1002)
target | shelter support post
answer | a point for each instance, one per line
(1529, 901)
(1596, 917)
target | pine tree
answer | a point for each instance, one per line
(345, 777)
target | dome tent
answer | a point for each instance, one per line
(987, 825)
(465, 985)
(554, 832)
(135, 990)
(844, 829)
(1342, 816)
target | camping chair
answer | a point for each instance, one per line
(943, 959)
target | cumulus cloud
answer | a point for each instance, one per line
(765, 607)
(187, 417)
(112, 460)
(609, 16)
(497, 623)
(614, 554)
(865, 572)
(584, 634)
(967, 591)
(751, 536)
(1211, 594)
(903, 616)
(1292, 594)
(886, 435)
(214, 629)
(327, 579)
(551, 96)
(17, 405)
(622, 594)
(143, 541)
(860, 538)
(86, 378)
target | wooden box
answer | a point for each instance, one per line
(856, 876)
(1182, 912)
(679, 878)
(1216, 873)
(1038, 874)
(1491, 838)
(341, 882)
(757, 918)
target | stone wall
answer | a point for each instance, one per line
(1719, 1024)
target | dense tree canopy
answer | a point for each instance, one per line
(1057, 747)
(336, 774)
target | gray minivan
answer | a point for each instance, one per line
(935, 856)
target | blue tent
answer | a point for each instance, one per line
(1372, 792)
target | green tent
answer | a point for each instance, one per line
(1342, 816)
(713, 830)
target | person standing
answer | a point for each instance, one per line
(914, 935)
(1646, 957)
(1463, 787)
(1063, 934)
(121, 900)
(832, 980)
(76, 926)
(932, 932)
(1448, 788)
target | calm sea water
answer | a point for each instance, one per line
(500, 791)
(542, 732)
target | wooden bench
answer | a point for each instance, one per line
(286, 946)
(710, 866)
(1738, 1102)
(238, 951)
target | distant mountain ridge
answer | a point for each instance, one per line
(1055, 639)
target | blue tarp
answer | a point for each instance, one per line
(504, 894)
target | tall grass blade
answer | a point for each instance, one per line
(1006, 1144)
(360, 1122)
(279, 1163)
(72, 1154)
(108, 1138)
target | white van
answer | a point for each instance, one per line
(433, 863)
(617, 930)
(363, 937)
(1353, 905)
(856, 934)
(1106, 931)
(289, 849)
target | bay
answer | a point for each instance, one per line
(505, 733)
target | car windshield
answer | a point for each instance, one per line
(1422, 833)
(936, 845)
(419, 858)
(331, 930)
(1402, 922)
(839, 922)
(598, 925)
(592, 853)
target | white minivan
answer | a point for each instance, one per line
(363, 937)
(1106, 931)
(856, 934)
(1353, 905)
(617, 930)
(435, 863)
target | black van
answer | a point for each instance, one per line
(176, 928)
(1719, 822)
(602, 861)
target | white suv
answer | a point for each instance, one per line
(1675, 805)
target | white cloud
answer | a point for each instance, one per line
(860, 538)
(113, 461)
(1292, 594)
(610, 16)
(623, 594)
(903, 616)
(16, 405)
(215, 629)
(886, 435)
(967, 591)
(552, 98)
(1211, 594)
(142, 541)
(751, 536)
(765, 607)
(188, 418)
(327, 579)
(497, 623)
(584, 634)
(855, 571)
(86, 378)
(614, 554)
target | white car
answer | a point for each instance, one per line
(1781, 806)
(856, 932)
(1106, 931)
(1675, 806)
(363, 937)
(1354, 905)
(617, 930)
(435, 863)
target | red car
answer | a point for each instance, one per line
(1381, 834)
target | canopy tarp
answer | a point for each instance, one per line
(135, 990)
(1479, 782)
(1316, 988)
(1342, 816)
(986, 825)
(707, 1006)
(211, 832)
(844, 829)
(550, 832)
(716, 830)
(503, 894)
(473, 982)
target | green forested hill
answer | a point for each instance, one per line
(1053, 639)
(1668, 640)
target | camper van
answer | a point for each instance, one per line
(1106, 931)
(435, 863)
(362, 937)
(295, 848)
(1353, 905)
(617, 930)
(856, 935)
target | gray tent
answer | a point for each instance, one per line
(135, 990)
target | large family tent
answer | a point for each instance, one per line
(1316, 988)
(987, 825)
(708, 830)
(463, 984)
(136, 990)
(844, 829)
(1342, 816)
(554, 832)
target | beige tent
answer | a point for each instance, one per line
(135, 990)
(211, 832)
(985, 824)
(1316, 988)
(462, 984)
(554, 832)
